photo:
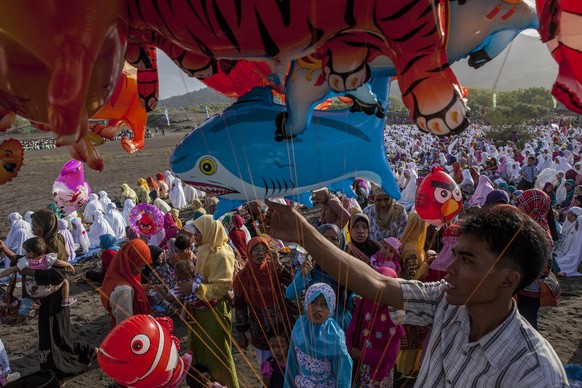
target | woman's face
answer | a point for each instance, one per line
(36, 229)
(359, 231)
(331, 236)
(279, 346)
(137, 270)
(258, 254)
(197, 237)
(571, 216)
(318, 311)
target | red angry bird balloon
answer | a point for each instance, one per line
(11, 155)
(141, 352)
(438, 198)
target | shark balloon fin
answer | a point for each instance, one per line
(226, 205)
(345, 186)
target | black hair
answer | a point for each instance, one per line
(280, 329)
(35, 245)
(182, 242)
(528, 253)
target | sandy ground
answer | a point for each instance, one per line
(31, 190)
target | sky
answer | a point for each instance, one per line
(174, 82)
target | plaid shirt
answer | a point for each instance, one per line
(512, 355)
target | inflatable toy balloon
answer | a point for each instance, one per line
(141, 352)
(11, 156)
(146, 219)
(438, 198)
(350, 145)
(70, 191)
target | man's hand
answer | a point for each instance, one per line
(284, 222)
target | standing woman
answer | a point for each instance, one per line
(210, 339)
(360, 245)
(57, 350)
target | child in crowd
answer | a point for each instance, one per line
(388, 255)
(373, 341)
(273, 369)
(182, 244)
(36, 258)
(185, 271)
(318, 355)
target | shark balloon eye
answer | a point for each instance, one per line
(208, 166)
(140, 344)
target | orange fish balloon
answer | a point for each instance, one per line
(140, 352)
(11, 156)
(438, 198)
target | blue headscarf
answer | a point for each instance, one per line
(108, 241)
(318, 354)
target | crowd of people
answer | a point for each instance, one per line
(371, 294)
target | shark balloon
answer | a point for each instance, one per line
(236, 156)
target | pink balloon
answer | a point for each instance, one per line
(70, 190)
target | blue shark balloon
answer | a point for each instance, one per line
(236, 155)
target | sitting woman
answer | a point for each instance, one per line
(108, 245)
(122, 293)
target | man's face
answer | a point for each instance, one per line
(472, 278)
(382, 202)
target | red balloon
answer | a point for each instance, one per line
(141, 352)
(438, 198)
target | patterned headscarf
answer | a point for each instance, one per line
(536, 204)
(340, 236)
(320, 289)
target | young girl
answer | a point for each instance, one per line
(273, 369)
(388, 255)
(184, 271)
(34, 249)
(318, 355)
(373, 341)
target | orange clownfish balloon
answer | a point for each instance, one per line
(438, 198)
(11, 156)
(141, 352)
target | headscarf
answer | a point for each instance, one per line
(127, 206)
(409, 192)
(128, 193)
(160, 177)
(214, 247)
(142, 183)
(115, 219)
(339, 234)
(80, 234)
(198, 213)
(92, 206)
(196, 204)
(69, 242)
(483, 188)
(237, 221)
(570, 193)
(104, 199)
(496, 197)
(100, 226)
(162, 205)
(19, 232)
(176, 217)
(177, 197)
(384, 220)
(134, 254)
(320, 289)
(151, 183)
(108, 241)
(48, 223)
(536, 204)
(414, 236)
(365, 250)
(446, 255)
(27, 217)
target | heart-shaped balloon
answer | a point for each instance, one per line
(11, 157)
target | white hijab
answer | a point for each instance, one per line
(100, 226)
(69, 241)
(92, 206)
(127, 206)
(162, 205)
(19, 232)
(409, 192)
(483, 188)
(104, 199)
(569, 259)
(177, 197)
(115, 220)
(80, 234)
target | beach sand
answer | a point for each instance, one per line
(31, 190)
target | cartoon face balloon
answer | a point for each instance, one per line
(141, 352)
(11, 155)
(70, 190)
(438, 198)
(146, 219)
